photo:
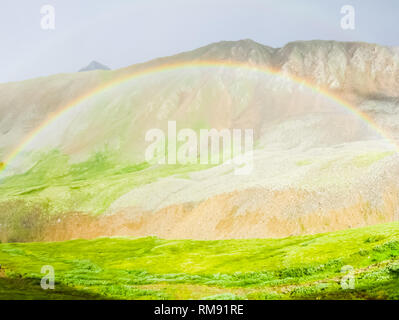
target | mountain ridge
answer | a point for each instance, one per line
(354, 71)
(355, 63)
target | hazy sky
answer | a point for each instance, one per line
(119, 33)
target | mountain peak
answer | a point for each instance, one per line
(241, 50)
(94, 65)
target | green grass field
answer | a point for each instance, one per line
(305, 267)
(89, 186)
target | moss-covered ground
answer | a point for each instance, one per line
(304, 267)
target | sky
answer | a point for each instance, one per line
(120, 33)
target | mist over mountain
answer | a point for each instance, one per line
(357, 72)
(317, 165)
(94, 65)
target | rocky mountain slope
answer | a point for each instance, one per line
(317, 166)
(361, 73)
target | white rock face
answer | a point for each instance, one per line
(363, 68)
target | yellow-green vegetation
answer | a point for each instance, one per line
(90, 186)
(54, 187)
(305, 267)
(368, 159)
(301, 163)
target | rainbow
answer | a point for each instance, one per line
(168, 67)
